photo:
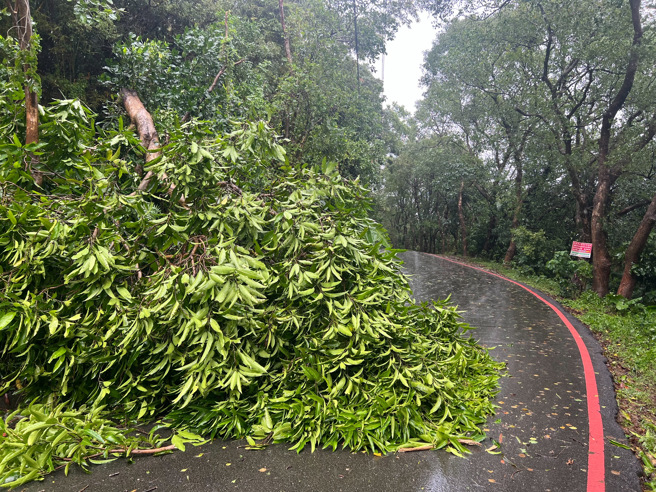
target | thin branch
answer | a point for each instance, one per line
(631, 208)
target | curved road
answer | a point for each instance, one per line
(557, 404)
(548, 411)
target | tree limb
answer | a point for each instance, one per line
(145, 126)
(288, 50)
(631, 208)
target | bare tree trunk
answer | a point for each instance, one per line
(288, 49)
(145, 126)
(601, 261)
(461, 216)
(22, 18)
(635, 249)
(600, 256)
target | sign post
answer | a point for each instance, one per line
(582, 250)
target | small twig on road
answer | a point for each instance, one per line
(171, 447)
(427, 447)
(469, 442)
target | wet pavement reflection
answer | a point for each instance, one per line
(536, 442)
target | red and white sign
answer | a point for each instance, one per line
(582, 250)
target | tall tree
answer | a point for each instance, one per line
(582, 77)
(635, 249)
(608, 174)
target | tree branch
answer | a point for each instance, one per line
(631, 208)
(145, 127)
(288, 50)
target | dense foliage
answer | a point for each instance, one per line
(265, 304)
(517, 120)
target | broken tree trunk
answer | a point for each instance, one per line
(145, 126)
(22, 18)
(635, 249)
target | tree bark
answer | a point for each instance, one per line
(635, 249)
(461, 216)
(601, 260)
(512, 247)
(145, 126)
(288, 50)
(142, 120)
(23, 22)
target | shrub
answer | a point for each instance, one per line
(572, 275)
(533, 251)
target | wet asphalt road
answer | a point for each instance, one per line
(541, 424)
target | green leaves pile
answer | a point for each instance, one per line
(263, 304)
(42, 438)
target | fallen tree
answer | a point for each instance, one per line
(234, 295)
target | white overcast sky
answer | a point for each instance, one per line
(403, 62)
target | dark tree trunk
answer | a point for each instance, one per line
(490, 240)
(600, 256)
(583, 218)
(461, 216)
(601, 260)
(512, 247)
(288, 50)
(635, 249)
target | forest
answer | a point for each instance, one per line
(536, 129)
(201, 202)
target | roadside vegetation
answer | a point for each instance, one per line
(626, 330)
(537, 129)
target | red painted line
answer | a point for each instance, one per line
(596, 464)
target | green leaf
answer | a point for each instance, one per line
(6, 318)
(178, 442)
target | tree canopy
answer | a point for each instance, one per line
(553, 101)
